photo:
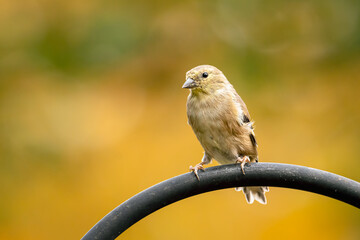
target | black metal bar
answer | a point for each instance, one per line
(220, 177)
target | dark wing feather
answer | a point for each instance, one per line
(245, 119)
(253, 140)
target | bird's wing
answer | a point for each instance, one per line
(243, 113)
(244, 116)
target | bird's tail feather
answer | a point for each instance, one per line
(254, 193)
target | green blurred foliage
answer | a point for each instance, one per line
(92, 111)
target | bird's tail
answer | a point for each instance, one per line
(254, 193)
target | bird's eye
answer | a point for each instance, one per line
(205, 75)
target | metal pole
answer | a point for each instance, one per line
(220, 177)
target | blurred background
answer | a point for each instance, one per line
(92, 112)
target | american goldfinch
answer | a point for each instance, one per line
(221, 123)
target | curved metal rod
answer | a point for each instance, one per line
(220, 177)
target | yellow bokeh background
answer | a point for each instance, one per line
(92, 112)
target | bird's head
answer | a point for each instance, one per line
(205, 78)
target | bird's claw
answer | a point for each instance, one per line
(195, 169)
(243, 161)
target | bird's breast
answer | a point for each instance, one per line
(203, 115)
(215, 124)
(206, 119)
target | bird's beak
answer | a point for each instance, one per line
(189, 83)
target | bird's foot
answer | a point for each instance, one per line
(243, 161)
(195, 169)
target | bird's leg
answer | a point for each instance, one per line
(243, 160)
(196, 169)
(205, 160)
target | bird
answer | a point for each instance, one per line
(221, 123)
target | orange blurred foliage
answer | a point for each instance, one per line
(92, 112)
